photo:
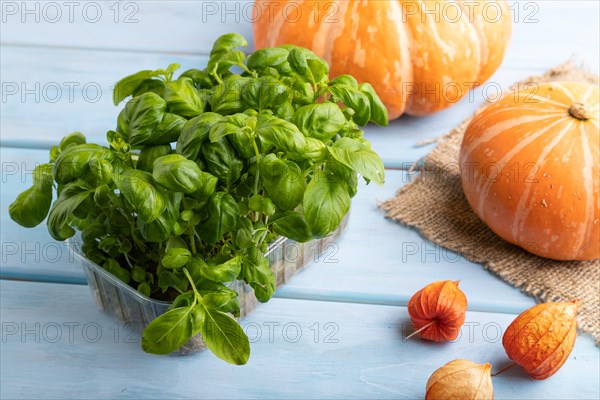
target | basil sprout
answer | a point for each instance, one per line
(201, 172)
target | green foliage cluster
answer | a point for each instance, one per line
(204, 170)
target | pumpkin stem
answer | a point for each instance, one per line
(504, 369)
(419, 330)
(580, 111)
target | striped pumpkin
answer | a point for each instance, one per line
(530, 169)
(420, 56)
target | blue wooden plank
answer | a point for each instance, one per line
(542, 33)
(43, 100)
(56, 344)
(139, 26)
(48, 93)
(539, 30)
(376, 260)
(29, 254)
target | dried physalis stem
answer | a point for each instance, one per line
(461, 379)
(438, 311)
(541, 338)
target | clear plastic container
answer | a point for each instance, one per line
(286, 258)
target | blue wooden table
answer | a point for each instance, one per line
(336, 330)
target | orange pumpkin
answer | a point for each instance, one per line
(530, 169)
(420, 56)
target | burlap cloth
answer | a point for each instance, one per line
(434, 204)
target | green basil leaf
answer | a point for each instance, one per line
(242, 143)
(265, 92)
(71, 196)
(126, 86)
(281, 134)
(307, 64)
(92, 232)
(354, 99)
(170, 331)
(244, 239)
(225, 337)
(31, 207)
(148, 154)
(72, 139)
(139, 190)
(264, 58)
(161, 228)
(257, 273)
(320, 121)
(101, 170)
(222, 161)
(222, 217)
(293, 225)
(176, 258)
(223, 54)
(144, 288)
(237, 128)
(196, 131)
(113, 266)
(54, 152)
(138, 83)
(168, 130)
(72, 163)
(283, 181)
(228, 126)
(176, 243)
(117, 142)
(234, 58)
(177, 173)
(168, 73)
(316, 151)
(150, 85)
(227, 97)
(140, 117)
(223, 272)
(206, 287)
(175, 280)
(344, 79)
(207, 185)
(303, 92)
(200, 78)
(261, 204)
(185, 299)
(182, 98)
(217, 300)
(342, 173)
(326, 202)
(356, 154)
(138, 274)
(125, 246)
(285, 111)
(379, 113)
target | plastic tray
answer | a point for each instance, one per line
(286, 258)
